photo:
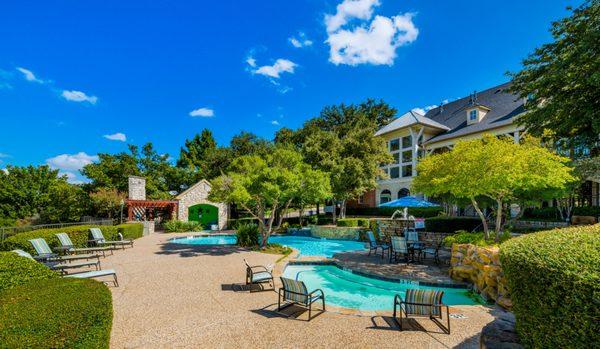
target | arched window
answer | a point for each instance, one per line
(403, 192)
(385, 196)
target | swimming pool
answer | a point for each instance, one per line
(346, 289)
(206, 240)
(320, 247)
(307, 246)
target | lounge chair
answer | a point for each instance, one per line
(45, 253)
(374, 245)
(61, 266)
(98, 239)
(295, 292)
(68, 247)
(258, 275)
(399, 248)
(81, 275)
(422, 303)
(434, 250)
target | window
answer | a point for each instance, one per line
(406, 142)
(407, 156)
(473, 115)
(394, 144)
(361, 199)
(394, 172)
(396, 158)
(385, 196)
(403, 192)
(407, 171)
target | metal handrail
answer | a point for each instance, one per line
(5, 232)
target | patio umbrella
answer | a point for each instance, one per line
(409, 201)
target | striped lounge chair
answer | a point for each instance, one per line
(45, 253)
(422, 303)
(258, 275)
(80, 275)
(98, 239)
(69, 247)
(295, 292)
(59, 266)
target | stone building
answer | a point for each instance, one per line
(190, 205)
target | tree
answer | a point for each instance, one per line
(194, 154)
(266, 185)
(107, 202)
(66, 203)
(247, 143)
(561, 81)
(112, 171)
(493, 168)
(342, 142)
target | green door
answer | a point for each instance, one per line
(205, 214)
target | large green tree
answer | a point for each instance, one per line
(561, 81)
(196, 150)
(493, 168)
(266, 186)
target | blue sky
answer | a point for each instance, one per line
(82, 77)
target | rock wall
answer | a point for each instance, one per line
(481, 266)
(333, 232)
(137, 188)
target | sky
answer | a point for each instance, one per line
(78, 78)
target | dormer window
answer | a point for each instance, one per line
(473, 115)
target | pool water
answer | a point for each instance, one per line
(346, 289)
(206, 240)
(320, 247)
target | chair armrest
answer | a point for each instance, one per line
(258, 266)
(315, 291)
(397, 300)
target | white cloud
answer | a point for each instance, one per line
(419, 110)
(300, 41)
(116, 137)
(280, 66)
(251, 61)
(203, 112)
(78, 96)
(275, 122)
(29, 75)
(368, 43)
(70, 162)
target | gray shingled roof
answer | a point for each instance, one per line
(503, 106)
(408, 119)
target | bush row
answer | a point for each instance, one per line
(353, 222)
(444, 224)
(554, 281)
(79, 235)
(39, 309)
(551, 213)
(418, 212)
(176, 226)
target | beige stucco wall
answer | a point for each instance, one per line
(198, 194)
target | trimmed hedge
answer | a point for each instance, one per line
(554, 281)
(56, 313)
(446, 224)
(418, 212)
(543, 213)
(353, 222)
(587, 211)
(79, 235)
(16, 270)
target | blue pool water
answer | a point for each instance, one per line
(309, 246)
(349, 290)
(206, 240)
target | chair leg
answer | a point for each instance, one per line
(309, 310)
(116, 281)
(323, 300)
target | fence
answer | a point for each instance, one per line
(5, 232)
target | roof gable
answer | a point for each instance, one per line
(193, 187)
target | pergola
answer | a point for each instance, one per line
(138, 210)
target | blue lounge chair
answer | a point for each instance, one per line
(98, 239)
(374, 245)
(422, 303)
(258, 275)
(45, 253)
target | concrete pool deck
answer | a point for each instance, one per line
(191, 296)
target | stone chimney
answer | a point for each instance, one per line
(137, 188)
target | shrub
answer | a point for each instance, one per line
(79, 234)
(176, 226)
(324, 220)
(541, 213)
(247, 235)
(465, 237)
(56, 313)
(419, 212)
(16, 270)
(7, 222)
(554, 281)
(445, 224)
(235, 223)
(587, 211)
